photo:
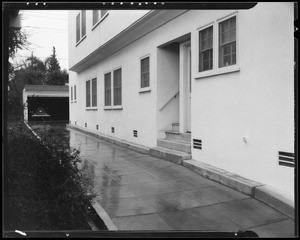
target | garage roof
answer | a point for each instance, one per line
(56, 88)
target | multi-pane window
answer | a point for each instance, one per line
(206, 49)
(97, 15)
(88, 93)
(75, 92)
(145, 73)
(83, 23)
(107, 89)
(118, 87)
(227, 42)
(71, 93)
(80, 25)
(78, 28)
(94, 92)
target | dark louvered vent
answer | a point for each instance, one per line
(197, 143)
(135, 133)
(112, 129)
(287, 159)
(85, 124)
(97, 127)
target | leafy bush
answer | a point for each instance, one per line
(46, 189)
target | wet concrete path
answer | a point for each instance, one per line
(140, 192)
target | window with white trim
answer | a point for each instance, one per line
(80, 26)
(88, 93)
(75, 93)
(117, 87)
(91, 93)
(107, 89)
(217, 47)
(145, 72)
(227, 42)
(71, 94)
(206, 49)
(98, 16)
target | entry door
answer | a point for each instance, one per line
(189, 88)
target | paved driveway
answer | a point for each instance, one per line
(140, 192)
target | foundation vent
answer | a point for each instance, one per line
(85, 124)
(97, 127)
(286, 159)
(135, 133)
(197, 143)
(112, 129)
(75, 123)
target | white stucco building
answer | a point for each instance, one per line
(221, 80)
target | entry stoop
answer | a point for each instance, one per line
(175, 148)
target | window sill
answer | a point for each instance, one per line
(145, 89)
(84, 37)
(113, 107)
(219, 71)
(97, 23)
(91, 109)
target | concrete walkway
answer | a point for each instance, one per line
(140, 192)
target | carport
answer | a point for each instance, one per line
(46, 103)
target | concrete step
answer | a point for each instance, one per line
(175, 135)
(175, 127)
(169, 155)
(177, 145)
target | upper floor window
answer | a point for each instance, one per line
(80, 26)
(145, 72)
(98, 16)
(217, 47)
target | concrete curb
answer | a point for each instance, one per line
(261, 192)
(104, 216)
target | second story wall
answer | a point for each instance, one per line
(97, 31)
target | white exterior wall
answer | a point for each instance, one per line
(256, 102)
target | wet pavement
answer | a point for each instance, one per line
(140, 192)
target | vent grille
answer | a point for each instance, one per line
(97, 127)
(135, 133)
(112, 129)
(85, 124)
(286, 159)
(197, 143)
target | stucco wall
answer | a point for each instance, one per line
(114, 23)
(255, 102)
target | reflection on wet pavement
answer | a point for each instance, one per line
(140, 192)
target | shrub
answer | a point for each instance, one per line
(46, 189)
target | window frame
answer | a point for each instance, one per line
(100, 18)
(216, 70)
(147, 88)
(91, 107)
(71, 94)
(74, 95)
(81, 38)
(112, 87)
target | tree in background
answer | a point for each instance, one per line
(54, 75)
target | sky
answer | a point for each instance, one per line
(45, 29)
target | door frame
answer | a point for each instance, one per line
(184, 68)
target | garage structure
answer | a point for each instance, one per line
(46, 103)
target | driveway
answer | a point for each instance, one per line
(140, 192)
